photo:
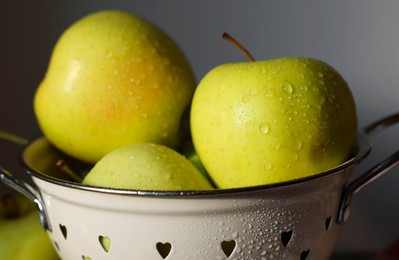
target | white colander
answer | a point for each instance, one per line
(300, 219)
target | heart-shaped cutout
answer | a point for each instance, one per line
(305, 254)
(105, 243)
(64, 231)
(164, 249)
(328, 223)
(228, 247)
(286, 237)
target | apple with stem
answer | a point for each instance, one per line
(263, 122)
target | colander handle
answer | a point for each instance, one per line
(374, 172)
(20, 186)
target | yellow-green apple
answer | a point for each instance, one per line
(113, 79)
(21, 235)
(146, 166)
(189, 152)
(270, 121)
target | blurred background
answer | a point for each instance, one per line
(360, 38)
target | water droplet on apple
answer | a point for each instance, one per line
(166, 176)
(304, 88)
(254, 92)
(268, 165)
(264, 128)
(287, 87)
(269, 94)
(109, 54)
(301, 75)
(245, 99)
(320, 74)
(263, 71)
(299, 144)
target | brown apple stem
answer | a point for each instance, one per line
(238, 45)
(62, 165)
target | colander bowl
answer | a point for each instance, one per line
(300, 219)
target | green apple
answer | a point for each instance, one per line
(146, 166)
(21, 235)
(189, 152)
(113, 79)
(264, 122)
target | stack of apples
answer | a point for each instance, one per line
(121, 95)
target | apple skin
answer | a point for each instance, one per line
(264, 122)
(113, 79)
(146, 166)
(21, 235)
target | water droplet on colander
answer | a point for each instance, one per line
(264, 128)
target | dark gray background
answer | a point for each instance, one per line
(359, 38)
